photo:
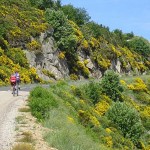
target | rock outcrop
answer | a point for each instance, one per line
(47, 59)
(50, 66)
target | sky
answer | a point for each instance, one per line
(126, 15)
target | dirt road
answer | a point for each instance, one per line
(9, 106)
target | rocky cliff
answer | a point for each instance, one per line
(50, 66)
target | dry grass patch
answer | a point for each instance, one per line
(24, 109)
(23, 146)
(27, 137)
(20, 120)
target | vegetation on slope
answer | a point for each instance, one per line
(88, 113)
(23, 20)
(19, 21)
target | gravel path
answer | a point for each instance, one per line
(8, 111)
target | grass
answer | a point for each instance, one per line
(23, 146)
(130, 79)
(66, 135)
(20, 119)
(27, 137)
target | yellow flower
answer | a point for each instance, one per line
(122, 82)
(102, 107)
(94, 121)
(61, 55)
(70, 119)
(108, 141)
(108, 130)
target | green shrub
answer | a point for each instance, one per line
(142, 97)
(111, 86)
(78, 92)
(127, 119)
(41, 101)
(93, 91)
(18, 57)
(73, 77)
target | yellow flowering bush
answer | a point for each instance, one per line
(84, 44)
(82, 102)
(73, 77)
(3, 74)
(33, 75)
(88, 119)
(146, 112)
(48, 73)
(61, 55)
(101, 107)
(80, 64)
(70, 119)
(1, 51)
(123, 82)
(34, 45)
(108, 141)
(24, 77)
(86, 61)
(1, 83)
(117, 52)
(86, 71)
(94, 121)
(93, 42)
(108, 130)
(77, 31)
(138, 85)
(83, 68)
(103, 63)
(132, 58)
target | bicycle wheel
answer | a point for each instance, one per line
(17, 89)
(13, 90)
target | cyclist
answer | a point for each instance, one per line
(13, 80)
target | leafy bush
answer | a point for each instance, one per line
(127, 119)
(78, 15)
(73, 77)
(93, 91)
(140, 45)
(138, 85)
(41, 100)
(111, 86)
(18, 57)
(142, 97)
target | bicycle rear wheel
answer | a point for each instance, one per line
(13, 90)
(17, 91)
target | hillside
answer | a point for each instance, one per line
(45, 42)
(40, 42)
(110, 114)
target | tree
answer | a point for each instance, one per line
(140, 45)
(111, 86)
(43, 4)
(78, 15)
(63, 34)
(92, 29)
(127, 120)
